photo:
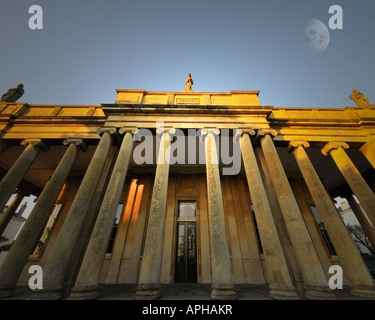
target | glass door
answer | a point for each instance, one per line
(186, 248)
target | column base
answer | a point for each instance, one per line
(83, 293)
(223, 292)
(284, 293)
(46, 294)
(148, 292)
(6, 293)
(367, 292)
(318, 293)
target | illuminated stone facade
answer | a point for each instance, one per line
(187, 186)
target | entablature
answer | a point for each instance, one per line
(355, 125)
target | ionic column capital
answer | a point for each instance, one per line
(110, 130)
(249, 131)
(367, 145)
(333, 145)
(132, 130)
(78, 142)
(39, 143)
(206, 131)
(297, 143)
(240, 132)
(263, 132)
(169, 130)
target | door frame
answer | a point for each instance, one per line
(197, 237)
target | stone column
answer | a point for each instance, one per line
(352, 176)
(10, 211)
(315, 282)
(16, 173)
(87, 281)
(361, 217)
(222, 285)
(18, 254)
(352, 262)
(58, 261)
(368, 149)
(149, 279)
(280, 281)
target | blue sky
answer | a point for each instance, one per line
(89, 48)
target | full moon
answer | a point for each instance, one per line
(317, 35)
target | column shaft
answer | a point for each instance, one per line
(368, 150)
(11, 210)
(352, 262)
(59, 259)
(87, 281)
(222, 286)
(149, 279)
(17, 256)
(353, 177)
(16, 173)
(361, 217)
(280, 280)
(315, 282)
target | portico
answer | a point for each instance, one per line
(228, 195)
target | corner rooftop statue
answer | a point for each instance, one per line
(359, 98)
(13, 94)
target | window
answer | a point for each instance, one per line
(114, 228)
(187, 210)
(323, 230)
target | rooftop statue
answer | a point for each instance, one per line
(13, 94)
(188, 83)
(360, 99)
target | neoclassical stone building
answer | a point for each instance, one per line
(187, 186)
